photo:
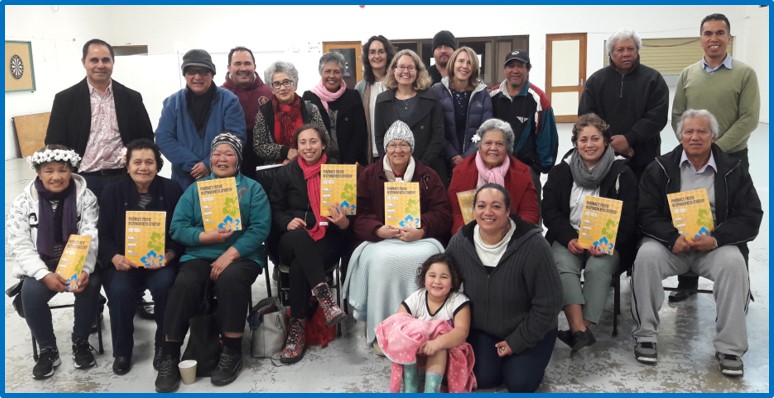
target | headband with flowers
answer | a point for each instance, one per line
(48, 155)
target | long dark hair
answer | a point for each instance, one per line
(368, 73)
(456, 277)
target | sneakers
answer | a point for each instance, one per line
(295, 342)
(730, 365)
(333, 314)
(168, 379)
(47, 363)
(83, 354)
(646, 353)
(229, 365)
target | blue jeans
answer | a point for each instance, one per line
(124, 290)
(522, 372)
(35, 296)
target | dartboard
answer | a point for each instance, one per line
(17, 67)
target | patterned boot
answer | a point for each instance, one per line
(333, 314)
(295, 344)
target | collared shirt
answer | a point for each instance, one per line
(105, 150)
(727, 63)
(703, 178)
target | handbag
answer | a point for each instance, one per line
(204, 339)
(268, 322)
(13, 292)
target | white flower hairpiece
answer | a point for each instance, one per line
(475, 138)
(48, 155)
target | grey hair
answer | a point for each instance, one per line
(332, 56)
(703, 113)
(623, 34)
(499, 125)
(280, 67)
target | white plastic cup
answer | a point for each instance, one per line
(188, 371)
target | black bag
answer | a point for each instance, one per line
(204, 338)
(13, 292)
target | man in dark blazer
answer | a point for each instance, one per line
(118, 114)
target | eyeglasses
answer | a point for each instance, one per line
(285, 83)
(409, 68)
(203, 72)
(402, 146)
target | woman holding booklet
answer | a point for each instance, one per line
(590, 169)
(493, 162)
(308, 241)
(127, 275)
(50, 209)
(229, 255)
(382, 270)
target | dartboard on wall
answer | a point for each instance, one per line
(19, 70)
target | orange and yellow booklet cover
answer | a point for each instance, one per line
(220, 204)
(401, 204)
(145, 238)
(73, 257)
(338, 186)
(465, 198)
(599, 223)
(691, 213)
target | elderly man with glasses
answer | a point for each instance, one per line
(193, 116)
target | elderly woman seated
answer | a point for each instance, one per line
(228, 259)
(382, 269)
(55, 205)
(141, 189)
(494, 162)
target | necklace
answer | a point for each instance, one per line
(405, 104)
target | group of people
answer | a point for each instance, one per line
(493, 286)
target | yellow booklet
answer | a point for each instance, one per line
(465, 198)
(691, 213)
(401, 204)
(338, 186)
(220, 204)
(73, 257)
(599, 223)
(145, 238)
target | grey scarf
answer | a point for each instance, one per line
(591, 178)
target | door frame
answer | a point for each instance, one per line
(550, 88)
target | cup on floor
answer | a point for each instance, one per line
(188, 371)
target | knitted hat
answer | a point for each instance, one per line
(231, 140)
(445, 37)
(198, 57)
(399, 131)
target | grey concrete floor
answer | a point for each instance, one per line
(686, 356)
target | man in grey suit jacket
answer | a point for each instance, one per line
(97, 117)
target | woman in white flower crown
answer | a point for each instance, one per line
(55, 205)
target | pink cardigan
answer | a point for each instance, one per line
(400, 336)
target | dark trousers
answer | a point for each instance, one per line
(308, 260)
(522, 372)
(97, 182)
(232, 290)
(35, 296)
(124, 290)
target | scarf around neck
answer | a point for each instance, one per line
(495, 174)
(591, 178)
(327, 96)
(408, 176)
(199, 106)
(312, 177)
(287, 118)
(55, 226)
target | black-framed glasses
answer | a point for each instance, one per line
(197, 71)
(285, 83)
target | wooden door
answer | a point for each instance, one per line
(565, 73)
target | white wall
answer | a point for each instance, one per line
(291, 33)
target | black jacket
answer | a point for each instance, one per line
(635, 105)
(426, 123)
(70, 121)
(351, 129)
(738, 210)
(122, 196)
(619, 183)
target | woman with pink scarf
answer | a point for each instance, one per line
(494, 162)
(342, 110)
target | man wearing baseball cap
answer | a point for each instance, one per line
(528, 110)
(444, 45)
(192, 117)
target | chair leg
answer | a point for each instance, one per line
(616, 302)
(99, 335)
(268, 281)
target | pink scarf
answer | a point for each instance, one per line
(312, 177)
(495, 174)
(327, 96)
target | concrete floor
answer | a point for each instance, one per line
(686, 356)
